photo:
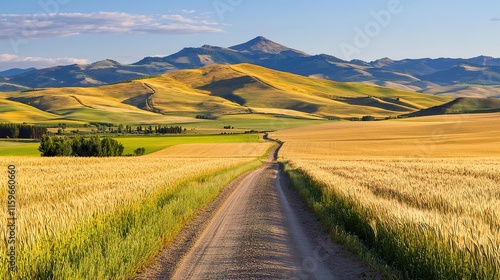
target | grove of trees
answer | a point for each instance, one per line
(9, 130)
(368, 118)
(80, 147)
(160, 129)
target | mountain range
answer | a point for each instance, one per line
(478, 77)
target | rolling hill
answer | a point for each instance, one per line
(467, 90)
(213, 92)
(462, 105)
(408, 74)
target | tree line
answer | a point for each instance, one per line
(146, 129)
(160, 129)
(80, 147)
(9, 130)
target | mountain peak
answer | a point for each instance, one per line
(107, 63)
(209, 47)
(261, 44)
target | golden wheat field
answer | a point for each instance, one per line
(56, 196)
(426, 137)
(214, 150)
(55, 193)
(427, 187)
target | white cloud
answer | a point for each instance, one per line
(38, 26)
(9, 61)
(179, 19)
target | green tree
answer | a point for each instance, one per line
(57, 146)
(47, 147)
(14, 132)
(80, 147)
(63, 147)
(94, 143)
(111, 147)
(140, 151)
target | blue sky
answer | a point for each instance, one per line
(42, 33)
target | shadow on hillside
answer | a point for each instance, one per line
(390, 105)
(139, 101)
(226, 88)
(304, 107)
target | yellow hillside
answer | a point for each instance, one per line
(214, 91)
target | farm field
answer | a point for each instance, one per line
(102, 218)
(421, 193)
(221, 150)
(19, 148)
(150, 143)
(157, 143)
(245, 122)
(475, 135)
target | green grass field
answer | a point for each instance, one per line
(156, 143)
(18, 148)
(150, 143)
(245, 122)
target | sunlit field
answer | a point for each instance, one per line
(221, 150)
(14, 147)
(422, 193)
(102, 218)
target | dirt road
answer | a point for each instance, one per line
(261, 230)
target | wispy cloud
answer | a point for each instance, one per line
(39, 26)
(8, 61)
(495, 19)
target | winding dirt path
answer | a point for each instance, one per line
(259, 230)
(80, 102)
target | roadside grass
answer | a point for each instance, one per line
(333, 213)
(448, 231)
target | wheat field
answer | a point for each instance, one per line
(215, 150)
(104, 217)
(422, 193)
(426, 137)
